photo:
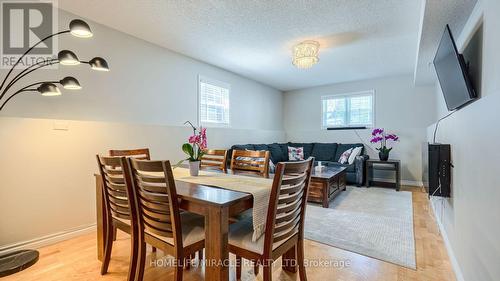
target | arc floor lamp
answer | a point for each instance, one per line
(18, 260)
(77, 28)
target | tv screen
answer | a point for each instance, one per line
(452, 73)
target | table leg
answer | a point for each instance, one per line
(289, 260)
(398, 177)
(325, 190)
(100, 212)
(216, 244)
(367, 175)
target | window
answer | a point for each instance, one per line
(349, 110)
(214, 102)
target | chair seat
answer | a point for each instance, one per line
(240, 235)
(193, 230)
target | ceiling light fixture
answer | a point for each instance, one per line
(305, 54)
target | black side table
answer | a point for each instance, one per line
(389, 165)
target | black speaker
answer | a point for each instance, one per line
(439, 170)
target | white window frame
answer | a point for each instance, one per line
(218, 83)
(345, 95)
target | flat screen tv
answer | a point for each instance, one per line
(452, 73)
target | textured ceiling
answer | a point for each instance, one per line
(436, 15)
(359, 39)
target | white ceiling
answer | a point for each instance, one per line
(359, 39)
(436, 15)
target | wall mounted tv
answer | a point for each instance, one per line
(452, 73)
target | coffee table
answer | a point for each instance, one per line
(326, 185)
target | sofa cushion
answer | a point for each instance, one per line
(342, 147)
(308, 147)
(243, 147)
(324, 151)
(277, 153)
(261, 147)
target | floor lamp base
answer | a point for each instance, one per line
(16, 261)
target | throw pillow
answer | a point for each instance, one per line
(272, 167)
(345, 156)
(295, 153)
(355, 153)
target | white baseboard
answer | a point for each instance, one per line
(403, 182)
(454, 263)
(49, 239)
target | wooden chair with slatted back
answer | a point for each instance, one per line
(140, 153)
(160, 223)
(250, 161)
(120, 208)
(285, 221)
(214, 159)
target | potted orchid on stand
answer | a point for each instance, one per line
(379, 136)
(194, 148)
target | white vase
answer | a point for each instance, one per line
(194, 168)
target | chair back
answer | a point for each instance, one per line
(157, 205)
(214, 159)
(250, 161)
(141, 153)
(117, 187)
(285, 217)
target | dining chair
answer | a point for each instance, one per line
(285, 222)
(120, 208)
(160, 223)
(140, 153)
(214, 159)
(250, 161)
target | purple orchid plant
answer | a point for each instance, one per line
(380, 136)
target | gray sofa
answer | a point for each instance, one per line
(327, 153)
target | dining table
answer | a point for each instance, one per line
(217, 205)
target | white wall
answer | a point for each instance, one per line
(399, 107)
(469, 220)
(46, 175)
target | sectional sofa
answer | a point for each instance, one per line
(327, 153)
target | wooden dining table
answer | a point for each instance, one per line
(216, 205)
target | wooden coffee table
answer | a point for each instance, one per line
(327, 185)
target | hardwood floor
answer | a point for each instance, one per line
(75, 259)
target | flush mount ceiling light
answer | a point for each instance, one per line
(305, 54)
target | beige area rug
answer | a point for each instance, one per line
(375, 222)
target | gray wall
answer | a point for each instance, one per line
(470, 220)
(400, 107)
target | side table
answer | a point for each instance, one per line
(389, 165)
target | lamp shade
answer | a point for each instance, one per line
(67, 57)
(49, 90)
(70, 83)
(79, 28)
(99, 64)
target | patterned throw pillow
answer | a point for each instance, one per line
(355, 153)
(295, 153)
(345, 156)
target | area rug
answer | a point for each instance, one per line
(375, 222)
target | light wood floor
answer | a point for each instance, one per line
(75, 259)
